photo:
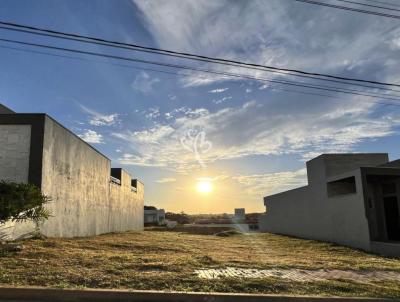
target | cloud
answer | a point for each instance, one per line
(91, 137)
(294, 36)
(152, 113)
(144, 83)
(256, 128)
(218, 90)
(186, 111)
(222, 100)
(98, 119)
(271, 183)
(166, 180)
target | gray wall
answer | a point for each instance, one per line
(77, 178)
(72, 173)
(14, 152)
(126, 206)
(308, 212)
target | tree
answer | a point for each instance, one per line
(181, 218)
(21, 202)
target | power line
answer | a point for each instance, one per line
(382, 2)
(234, 75)
(180, 73)
(369, 5)
(261, 69)
(359, 10)
(88, 39)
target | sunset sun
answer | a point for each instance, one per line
(204, 186)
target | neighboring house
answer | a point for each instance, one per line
(88, 197)
(240, 214)
(350, 199)
(152, 215)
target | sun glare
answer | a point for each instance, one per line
(204, 186)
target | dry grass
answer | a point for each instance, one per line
(166, 261)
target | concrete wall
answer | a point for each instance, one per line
(296, 213)
(35, 148)
(77, 178)
(126, 206)
(14, 152)
(347, 217)
(308, 212)
(328, 165)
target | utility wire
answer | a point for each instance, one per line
(359, 10)
(369, 5)
(182, 73)
(233, 75)
(229, 64)
(382, 2)
(184, 55)
(254, 68)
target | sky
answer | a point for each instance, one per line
(172, 128)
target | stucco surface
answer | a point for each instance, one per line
(126, 206)
(77, 178)
(308, 212)
(14, 152)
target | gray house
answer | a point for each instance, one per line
(88, 197)
(350, 199)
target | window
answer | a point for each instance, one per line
(342, 187)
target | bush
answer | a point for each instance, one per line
(21, 202)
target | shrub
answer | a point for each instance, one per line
(21, 202)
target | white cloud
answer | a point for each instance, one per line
(271, 183)
(186, 111)
(166, 180)
(218, 90)
(99, 119)
(144, 83)
(293, 36)
(92, 137)
(259, 129)
(222, 100)
(152, 113)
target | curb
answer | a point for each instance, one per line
(34, 294)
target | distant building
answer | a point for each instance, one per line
(240, 214)
(88, 197)
(152, 215)
(350, 199)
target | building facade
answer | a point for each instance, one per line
(240, 214)
(87, 196)
(152, 215)
(350, 199)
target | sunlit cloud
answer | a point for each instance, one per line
(218, 90)
(166, 180)
(99, 119)
(92, 137)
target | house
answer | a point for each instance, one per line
(240, 214)
(350, 199)
(152, 215)
(87, 196)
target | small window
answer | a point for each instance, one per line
(342, 187)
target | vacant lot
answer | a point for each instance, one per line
(165, 260)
